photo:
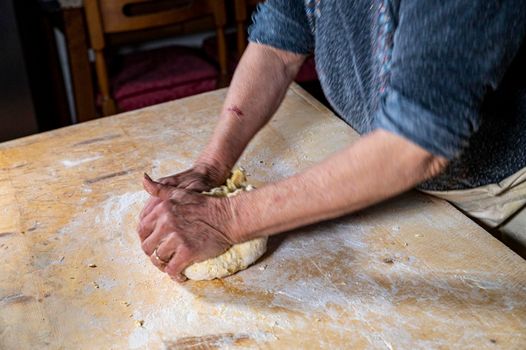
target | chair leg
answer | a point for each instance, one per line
(108, 104)
(222, 50)
(240, 8)
(222, 55)
(108, 107)
(241, 39)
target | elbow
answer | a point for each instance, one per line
(291, 62)
(433, 165)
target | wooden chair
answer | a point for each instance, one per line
(105, 17)
(241, 13)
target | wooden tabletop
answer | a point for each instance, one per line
(411, 273)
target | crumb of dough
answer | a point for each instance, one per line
(388, 260)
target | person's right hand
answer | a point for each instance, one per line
(199, 178)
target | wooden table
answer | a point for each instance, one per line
(411, 273)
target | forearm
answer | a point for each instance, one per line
(257, 89)
(378, 166)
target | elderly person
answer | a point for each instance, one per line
(435, 88)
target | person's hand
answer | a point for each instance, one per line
(184, 227)
(199, 178)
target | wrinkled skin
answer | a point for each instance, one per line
(198, 178)
(183, 226)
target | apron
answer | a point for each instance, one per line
(501, 207)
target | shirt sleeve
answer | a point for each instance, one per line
(282, 24)
(447, 56)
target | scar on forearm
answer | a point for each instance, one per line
(235, 109)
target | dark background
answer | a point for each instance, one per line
(33, 94)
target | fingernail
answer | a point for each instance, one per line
(178, 279)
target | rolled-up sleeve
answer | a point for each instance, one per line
(447, 56)
(283, 25)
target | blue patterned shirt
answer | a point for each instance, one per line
(446, 75)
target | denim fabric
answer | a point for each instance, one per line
(282, 24)
(446, 75)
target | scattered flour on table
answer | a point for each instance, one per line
(171, 306)
(73, 163)
(362, 290)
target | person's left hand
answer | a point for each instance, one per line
(184, 227)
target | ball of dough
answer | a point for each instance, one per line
(239, 256)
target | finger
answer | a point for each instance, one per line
(174, 180)
(157, 189)
(157, 262)
(164, 252)
(169, 180)
(152, 202)
(148, 223)
(154, 240)
(180, 261)
(195, 185)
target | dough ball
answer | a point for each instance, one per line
(239, 256)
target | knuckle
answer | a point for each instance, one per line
(161, 218)
(184, 252)
(165, 222)
(168, 238)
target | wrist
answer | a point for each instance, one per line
(213, 169)
(237, 223)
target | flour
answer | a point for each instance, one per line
(329, 276)
(157, 300)
(73, 163)
(119, 208)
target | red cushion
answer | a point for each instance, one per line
(307, 71)
(150, 77)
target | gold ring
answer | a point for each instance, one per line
(158, 257)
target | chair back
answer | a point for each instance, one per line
(125, 15)
(118, 16)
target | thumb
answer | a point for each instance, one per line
(157, 189)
